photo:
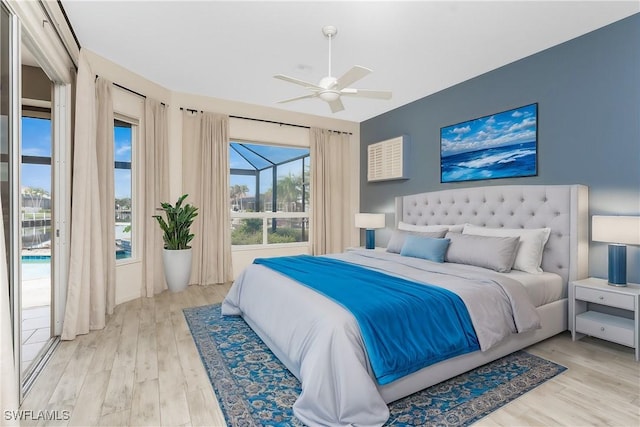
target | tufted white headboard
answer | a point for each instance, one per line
(563, 208)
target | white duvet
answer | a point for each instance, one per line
(320, 342)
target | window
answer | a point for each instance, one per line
(269, 189)
(123, 135)
(36, 180)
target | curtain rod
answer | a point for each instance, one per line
(265, 121)
(57, 31)
(131, 90)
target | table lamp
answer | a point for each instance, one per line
(618, 231)
(370, 222)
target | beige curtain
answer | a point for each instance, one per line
(205, 169)
(9, 384)
(156, 190)
(332, 223)
(91, 286)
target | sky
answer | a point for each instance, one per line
(272, 152)
(122, 153)
(509, 127)
(36, 141)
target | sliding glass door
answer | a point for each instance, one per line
(9, 162)
(36, 214)
(35, 146)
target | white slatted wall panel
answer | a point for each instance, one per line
(387, 160)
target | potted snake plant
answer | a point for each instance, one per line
(177, 252)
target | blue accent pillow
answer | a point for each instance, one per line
(425, 247)
(397, 238)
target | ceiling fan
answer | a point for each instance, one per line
(330, 89)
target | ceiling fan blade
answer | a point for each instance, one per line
(366, 93)
(353, 75)
(336, 105)
(311, 95)
(296, 81)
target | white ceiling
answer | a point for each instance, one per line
(232, 49)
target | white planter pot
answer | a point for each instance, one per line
(177, 268)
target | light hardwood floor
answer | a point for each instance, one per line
(144, 369)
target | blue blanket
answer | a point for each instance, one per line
(405, 325)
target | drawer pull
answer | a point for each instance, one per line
(602, 328)
(601, 298)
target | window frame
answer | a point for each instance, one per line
(136, 254)
(42, 113)
(267, 215)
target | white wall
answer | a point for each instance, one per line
(131, 272)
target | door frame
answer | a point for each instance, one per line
(32, 25)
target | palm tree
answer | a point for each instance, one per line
(36, 194)
(238, 192)
(267, 199)
(290, 189)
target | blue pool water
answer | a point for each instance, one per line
(36, 259)
(36, 267)
(39, 266)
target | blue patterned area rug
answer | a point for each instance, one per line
(254, 388)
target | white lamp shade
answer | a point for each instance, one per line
(616, 229)
(370, 221)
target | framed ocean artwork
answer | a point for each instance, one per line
(502, 145)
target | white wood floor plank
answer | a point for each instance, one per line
(59, 419)
(204, 409)
(108, 343)
(67, 389)
(119, 390)
(147, 312)
(161, 306)
(173, 404)
(145, 407)
(44, 386)
(115, 419)
(174, 409)
(195, 377)
(178, 301)
(128, 341)
(147, 354)
(88, 407)
(63, 353)
(602, 411)
(180, 326)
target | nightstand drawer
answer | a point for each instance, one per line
(607, 327)
(611, 299)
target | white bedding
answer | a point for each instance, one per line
(320, 342)
(542, 288)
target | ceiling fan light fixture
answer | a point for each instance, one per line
(330, 88)
(329, 95)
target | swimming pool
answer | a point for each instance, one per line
(36, 267)
(39, 266)
(36, 259)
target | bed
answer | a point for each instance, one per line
(320, 342)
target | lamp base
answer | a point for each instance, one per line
(618, 265)
(619, 285)
(370, 239)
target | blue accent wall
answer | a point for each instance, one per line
(588, 95)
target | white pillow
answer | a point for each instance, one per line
(532, 241)
(430, 228)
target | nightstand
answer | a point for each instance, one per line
(585, 319)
